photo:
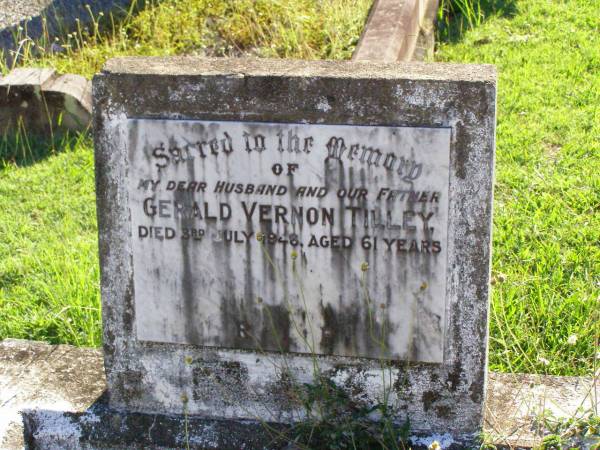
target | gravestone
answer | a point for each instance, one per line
(258, 216)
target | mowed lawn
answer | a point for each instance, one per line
(545, 315)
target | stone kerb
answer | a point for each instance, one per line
(41, 101)
(398, 30)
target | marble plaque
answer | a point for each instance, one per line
(304, 238)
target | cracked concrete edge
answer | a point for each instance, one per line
(44, 101)
(60, 388)
(516, 405)
(398, 31)
(39, 376)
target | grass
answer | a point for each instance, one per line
(546, 267)
(48, 246)
(303, 29)
(545, 315)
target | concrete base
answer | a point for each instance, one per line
(101, 427)
(59, 391)
(516, 403)
(35, 375)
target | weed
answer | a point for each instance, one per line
(580, 431)
(185, 400)
(456, 17)
(339, 422)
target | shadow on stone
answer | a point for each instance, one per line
(103, 427)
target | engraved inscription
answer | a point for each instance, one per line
(329, 239)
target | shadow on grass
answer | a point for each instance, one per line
(20, 148)
(455, 17)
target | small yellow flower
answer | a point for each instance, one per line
(364, 266)
(184, 398)
(435, 445)
(260, 236)
(294, 254)
(188, 360)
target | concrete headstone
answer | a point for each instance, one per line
(256, 215)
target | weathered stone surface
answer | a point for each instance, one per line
(101, 427)
(338, 196)
(397, 30)
(517, 403)
(41, 101)
(74, 93)
(35, 375)
(56, 385)
(12, 12)
(228, 383)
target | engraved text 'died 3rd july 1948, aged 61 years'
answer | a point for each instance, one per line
(258, 236)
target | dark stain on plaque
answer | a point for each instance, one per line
(193, 329)
(254, 325)
(352, 330)
(275, 334)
